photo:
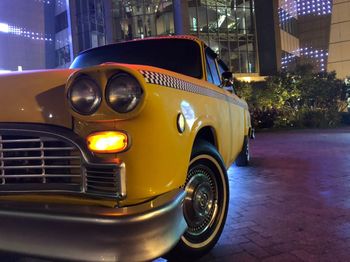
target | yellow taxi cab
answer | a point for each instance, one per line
(121, 157)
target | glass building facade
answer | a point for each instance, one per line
(24, 37)
(142, 18)
(288, 23)
(90, 23)
(227, 26)
(305, 32)
(314, 18)
(34, 34)
(63, 55)
(57, 30)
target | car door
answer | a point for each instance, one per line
(224, 128)
(237, 117)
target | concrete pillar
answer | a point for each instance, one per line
(181, 17)
(108, 9)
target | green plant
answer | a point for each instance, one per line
(296, 99)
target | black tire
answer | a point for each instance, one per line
(244, 156)
(206, 203)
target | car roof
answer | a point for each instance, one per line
(186, 37)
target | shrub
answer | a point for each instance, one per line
(296, 99)
(313, 119)
(345, 118)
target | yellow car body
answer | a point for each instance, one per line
(157, 158)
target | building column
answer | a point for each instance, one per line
(108, 9)
(181, 17)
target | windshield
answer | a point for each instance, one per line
(179, 55)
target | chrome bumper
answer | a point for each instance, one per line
(87, 233)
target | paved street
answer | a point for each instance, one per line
(293, 202)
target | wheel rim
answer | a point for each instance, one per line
(201, 202)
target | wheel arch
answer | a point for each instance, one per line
(208, 134)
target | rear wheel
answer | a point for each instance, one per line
(206, 203)
(244, 156)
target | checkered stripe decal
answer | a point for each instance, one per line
(169, 81)
(173, 82)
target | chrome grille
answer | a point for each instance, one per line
(38, 158)
(103, 180)
(43, 163)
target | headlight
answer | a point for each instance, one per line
(84, 95)
(123, 93)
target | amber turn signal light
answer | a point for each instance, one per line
(107, 142)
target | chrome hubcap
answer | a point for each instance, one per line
(203, 199)
(200, 205)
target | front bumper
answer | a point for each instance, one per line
(86, 233)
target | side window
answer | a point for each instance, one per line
(211, 66)
(221, 68)
(209, 76)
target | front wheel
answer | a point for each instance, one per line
(206, 203)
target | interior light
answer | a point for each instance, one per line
(107, 142)
(247, 79)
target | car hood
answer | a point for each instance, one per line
(35, 97)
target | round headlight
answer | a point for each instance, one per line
(123, 93)
(84, 95)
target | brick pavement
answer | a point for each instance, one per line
(293, 202)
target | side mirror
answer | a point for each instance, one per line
(228, 76)
(227, 81)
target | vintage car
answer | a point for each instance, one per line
(121, 157)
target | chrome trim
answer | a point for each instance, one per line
(40, 175)
(39, 161)
(2, 164)
(136, 233)
(123, 180)
(96, 185)
(51, 131)
(37, 149)
(38, 158)
(19, 140)
(38, 167)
